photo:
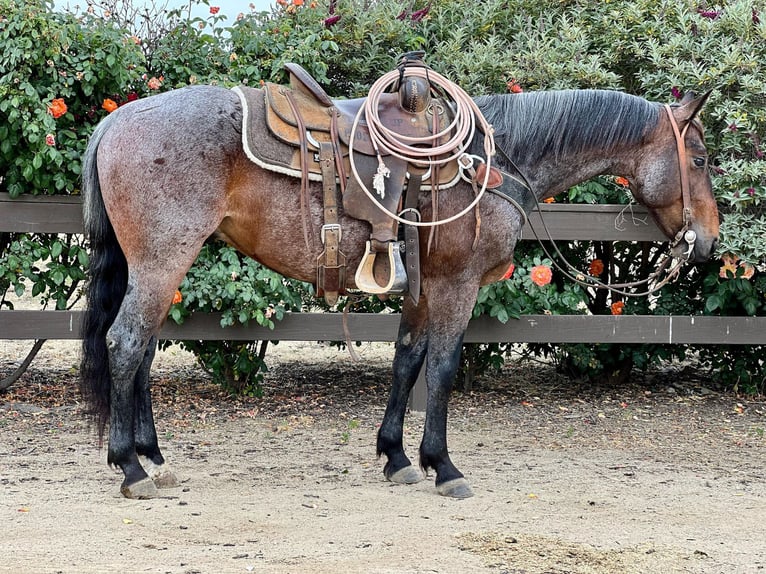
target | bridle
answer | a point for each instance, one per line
(685, 233)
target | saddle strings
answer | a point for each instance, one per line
(406, 147)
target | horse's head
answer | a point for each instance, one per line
(672, 179)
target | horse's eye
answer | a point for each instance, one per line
(699, 161)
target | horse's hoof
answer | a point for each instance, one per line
(165, 479)
(407, 475)
(160, 474)
(140, 490)
(456, 488)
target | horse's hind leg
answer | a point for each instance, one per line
(147, 446)
(412, 343)
(130, 341)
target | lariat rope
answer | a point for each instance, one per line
(422, 151)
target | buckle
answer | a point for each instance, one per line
(331, 227)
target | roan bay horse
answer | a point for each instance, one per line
(163, 174)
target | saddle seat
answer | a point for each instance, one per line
(317, 109)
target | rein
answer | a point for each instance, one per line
(685, 233)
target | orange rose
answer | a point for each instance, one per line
(622, 181)
(549, 200)
(541, 275)
(57, 108)
(596, 267)
(297, 2)
(109, 105)
(749, 270)
(177, 297)
(729, 265)
(617, 307)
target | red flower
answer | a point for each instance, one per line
(514, 87)
(676, 93)
(57, 108)
(177, 297)
(541, 275)
(50, 139)
(617, 307)
(509, 272)
(622, 181)
(331, 21)
(214, 10)
(596, 267)
(710, 14)
(420, 14)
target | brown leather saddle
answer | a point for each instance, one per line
(316, 135)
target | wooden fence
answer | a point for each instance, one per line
(61, 214)
(566, 222)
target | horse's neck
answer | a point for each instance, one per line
(553, 176)
(560, 139)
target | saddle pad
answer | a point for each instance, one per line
(263, 149)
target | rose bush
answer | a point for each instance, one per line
(647, 47)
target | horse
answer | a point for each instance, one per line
(163, 174)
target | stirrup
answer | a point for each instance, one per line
(365, 277)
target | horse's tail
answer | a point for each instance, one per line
(106, 289)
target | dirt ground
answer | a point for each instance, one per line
(663, 474)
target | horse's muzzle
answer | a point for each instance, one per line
(699, 250)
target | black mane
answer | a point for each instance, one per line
(531, 125)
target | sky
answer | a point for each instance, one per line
(230, 8)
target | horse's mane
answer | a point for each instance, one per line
(536, 124)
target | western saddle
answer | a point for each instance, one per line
(319, 132)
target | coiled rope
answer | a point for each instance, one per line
(422, 151)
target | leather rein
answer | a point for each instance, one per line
(685, 233)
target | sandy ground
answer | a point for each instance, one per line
(663, 474)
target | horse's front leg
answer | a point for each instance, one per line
(147, 446)
(441, 368)
(451, 302)
(412, 342)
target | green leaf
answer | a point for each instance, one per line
(713, 302)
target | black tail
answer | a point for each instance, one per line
(106, 288)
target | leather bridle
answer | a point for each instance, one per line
(685, 233)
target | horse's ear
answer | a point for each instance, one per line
(691, 105)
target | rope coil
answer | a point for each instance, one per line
(422, 151)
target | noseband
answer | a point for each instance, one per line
(685, 233)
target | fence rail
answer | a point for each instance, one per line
(62, 214)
